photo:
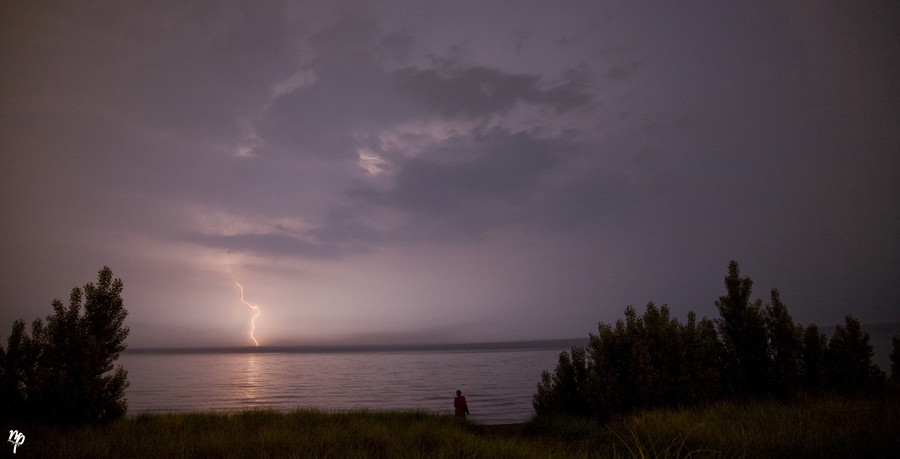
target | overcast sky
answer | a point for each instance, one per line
(417, 171)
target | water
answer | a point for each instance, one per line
(498, 380)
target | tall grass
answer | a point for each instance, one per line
(821, 427)
(274, 434)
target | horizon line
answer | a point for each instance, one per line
(358, 347)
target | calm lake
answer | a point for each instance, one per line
(498, 380)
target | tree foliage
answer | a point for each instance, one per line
(642, 362)
(848, 359)
(654, 360)
(743, 331)
(783, 346)
(895, 359)
(64, 372)
(813, 357)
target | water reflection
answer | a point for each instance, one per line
(252, 378)
(498, 385)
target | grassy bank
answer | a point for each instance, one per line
(821, 427)
(812, 428)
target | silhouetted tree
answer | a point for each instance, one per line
(609, 387)
(542, 400)
(700, 360)
(656, 357)
(642, 362)
(848, 359)
(745, 360)
(895, 359)
(785, 347)
(64, 373)
(563, 391)
(20, 376)
(653, 360)
(813, 357)
(13, 372)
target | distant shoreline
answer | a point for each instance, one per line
(563, 344)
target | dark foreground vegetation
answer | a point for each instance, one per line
(752, 351)
(858, 426)
(63, 372)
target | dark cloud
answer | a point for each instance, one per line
(349, 87)
(471, 184)
(478, 91)
(431, 157)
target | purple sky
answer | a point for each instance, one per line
(446, 171)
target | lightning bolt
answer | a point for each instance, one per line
(255, 308)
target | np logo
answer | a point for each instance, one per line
(16, 438)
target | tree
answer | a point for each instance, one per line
(784, 347)
(609, 388)
(645, 361)
(848, 360)
(104, 332)
(657, 354)
(813, 357)
(14, 371)
(743, 331)
(563, 391)
(653, 360)
(19, 372)
(65, 372)
(700, 360)
(895, 359)
(542, 400)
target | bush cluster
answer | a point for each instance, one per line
(63, 373)
(654, 360)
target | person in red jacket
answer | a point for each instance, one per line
(459, 405)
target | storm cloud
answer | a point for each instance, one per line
(466, 171)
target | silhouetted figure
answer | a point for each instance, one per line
(459, 405)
